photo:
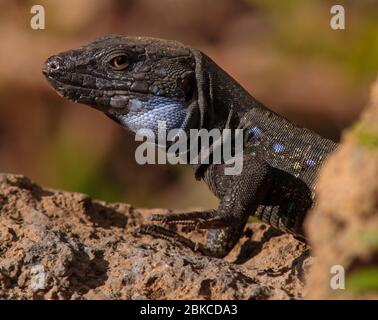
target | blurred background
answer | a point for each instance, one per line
(283, 52)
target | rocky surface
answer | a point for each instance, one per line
(61, 245)
(343, 228)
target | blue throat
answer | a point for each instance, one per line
(146, 114)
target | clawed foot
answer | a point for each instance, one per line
(162, 233)
(198, 220)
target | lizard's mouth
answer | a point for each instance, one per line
(90, 96)
(119, 101)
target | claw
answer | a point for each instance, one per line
(171, 220)
(156, 231)
(215, 223)
(198, 220)
(162, 233)
(186, 219)
(183, 216)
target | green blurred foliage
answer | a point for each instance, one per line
(71, 165)
(369, 238)
(367, 138)
(364, 280)
(301, 28)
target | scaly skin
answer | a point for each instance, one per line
(138, 81)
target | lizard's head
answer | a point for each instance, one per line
(136, 81)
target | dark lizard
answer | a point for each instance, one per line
(137, 81)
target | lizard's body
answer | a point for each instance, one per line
(140, 81)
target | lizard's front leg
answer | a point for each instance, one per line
(227, 223)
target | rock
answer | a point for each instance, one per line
(61, 245)
(343, 228)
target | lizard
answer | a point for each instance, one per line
(139, 81)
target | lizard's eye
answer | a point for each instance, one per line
(119, 62)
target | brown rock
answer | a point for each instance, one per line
(343, 228)
(60, 245)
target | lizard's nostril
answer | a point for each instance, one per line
(52, 65)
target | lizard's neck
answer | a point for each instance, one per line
(226, 95)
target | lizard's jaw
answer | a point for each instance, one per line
(133, 111)
(95, 98)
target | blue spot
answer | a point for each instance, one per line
(277, 147)
(255, 132)
(310, 163)
(155, 89)
(161, 72)
(135, 104)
